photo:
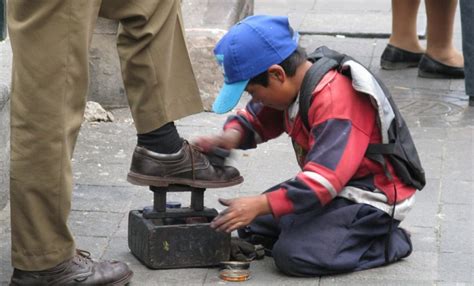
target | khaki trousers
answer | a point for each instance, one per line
(50, 41)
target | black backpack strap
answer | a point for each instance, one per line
(311, 79)
(386, 149)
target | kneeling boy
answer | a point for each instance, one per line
(336, 214)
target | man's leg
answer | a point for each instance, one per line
(50, 41)
(50, 73)
(161, 88)
(156, 68)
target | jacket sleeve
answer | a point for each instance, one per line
(341, 124)
(257, 124)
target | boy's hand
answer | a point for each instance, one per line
(240, 212)
(228, 139)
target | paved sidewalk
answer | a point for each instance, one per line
(436, 110)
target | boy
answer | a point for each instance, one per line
(336, 214)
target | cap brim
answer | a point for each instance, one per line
(229, 96)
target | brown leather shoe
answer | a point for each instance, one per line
(187, 167)
(79, 270)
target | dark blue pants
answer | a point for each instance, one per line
(343, 237)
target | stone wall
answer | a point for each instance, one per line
(105, 81)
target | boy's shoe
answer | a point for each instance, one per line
(186, 167)
(79, 270)
(394, 58)
(431, 68)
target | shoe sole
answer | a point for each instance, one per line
(386, 65)
(143, 180)
(124, 281)
(425, 74)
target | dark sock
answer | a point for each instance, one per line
(164, 140)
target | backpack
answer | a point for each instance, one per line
(397, 145)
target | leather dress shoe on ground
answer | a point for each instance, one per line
(79, 270)
(186, 167)
(431, 68)
(394, 58)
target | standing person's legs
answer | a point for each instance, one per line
(467, 23)
(440, 29)
(441, 60)
(404, 28)
(403, 49)
(50, 41)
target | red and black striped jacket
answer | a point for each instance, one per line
(332, 153)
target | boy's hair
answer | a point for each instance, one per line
(289, 65)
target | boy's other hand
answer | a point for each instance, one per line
(240, 212)
(229, 139)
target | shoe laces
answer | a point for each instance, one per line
(83, 257)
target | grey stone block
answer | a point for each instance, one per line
(118, 198)
(97, 224)
(105, 85)
(455, 269)
(456, 229)
(217, 14)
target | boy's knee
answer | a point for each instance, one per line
(287, 261)
(284, 260)
(296, 261)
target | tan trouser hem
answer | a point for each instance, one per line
(41, 262)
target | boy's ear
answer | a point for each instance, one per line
(277, 72)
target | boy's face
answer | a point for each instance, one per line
(279, 93)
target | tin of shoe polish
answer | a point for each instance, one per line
(234, 275)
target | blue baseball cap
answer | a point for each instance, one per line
(249, 48)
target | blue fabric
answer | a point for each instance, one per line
(302, 196)
(248, 49)
(342, 237)
(330, 140)
(467, 24)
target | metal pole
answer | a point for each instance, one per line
(3, 20)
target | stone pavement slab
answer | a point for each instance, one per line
(355, 18)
